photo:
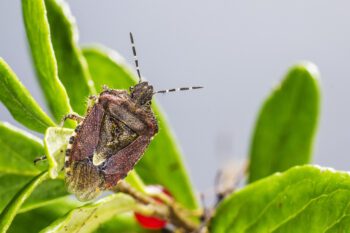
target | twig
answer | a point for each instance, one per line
(168, 210)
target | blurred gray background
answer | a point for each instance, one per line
(237, 49)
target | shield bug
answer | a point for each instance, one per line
(111, 138)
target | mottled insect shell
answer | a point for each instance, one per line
(110, 140)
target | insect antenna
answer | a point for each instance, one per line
(135, 56)
(178, 89)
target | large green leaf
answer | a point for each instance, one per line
(303, 199)
(341, 226)
(19, 101)
(9, 213)
(72, 67)
(40, 218)
(106, 67)
(47, 192)
(18, 151)
(38, 33)
(88, 218)
(44, 194)
(285, 128)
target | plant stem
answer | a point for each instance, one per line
(169, 210)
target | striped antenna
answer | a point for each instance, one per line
(178, 89)
(135, 56)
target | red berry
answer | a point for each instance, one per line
(152, 222)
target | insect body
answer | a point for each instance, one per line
(109, 141)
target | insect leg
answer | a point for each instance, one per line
(93, 97)
(36, 160)
(71, 116)
(91, 102)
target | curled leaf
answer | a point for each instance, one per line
(55, 141)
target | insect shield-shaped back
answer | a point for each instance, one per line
(110, 140)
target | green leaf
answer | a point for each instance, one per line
(10, 185)
(19, 101)
(55, 141)
(18, 151)
(88, 218)
(11, 209)
(303, 199)
(72, 67)
(40, 218)
(286, 126)
(38, 33)
(106, 67)
(47, 192)
(341, 226)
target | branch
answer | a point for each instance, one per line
(169, 210)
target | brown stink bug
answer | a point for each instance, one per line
(111, 138)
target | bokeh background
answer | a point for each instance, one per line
(238, 50)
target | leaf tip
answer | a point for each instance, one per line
(308, 67)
